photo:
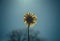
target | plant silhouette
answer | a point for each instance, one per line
(21, 35)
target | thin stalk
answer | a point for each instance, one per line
(28, 32)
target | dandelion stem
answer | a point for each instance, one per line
(28, 32)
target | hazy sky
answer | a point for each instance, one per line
(12, 13)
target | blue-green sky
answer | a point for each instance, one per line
(12, 13)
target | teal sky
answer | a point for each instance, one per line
(12, 14)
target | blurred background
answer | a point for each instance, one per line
(12, 13)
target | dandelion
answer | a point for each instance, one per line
(30, 20)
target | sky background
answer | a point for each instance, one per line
(12, 14)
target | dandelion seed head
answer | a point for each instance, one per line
(30, 18)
